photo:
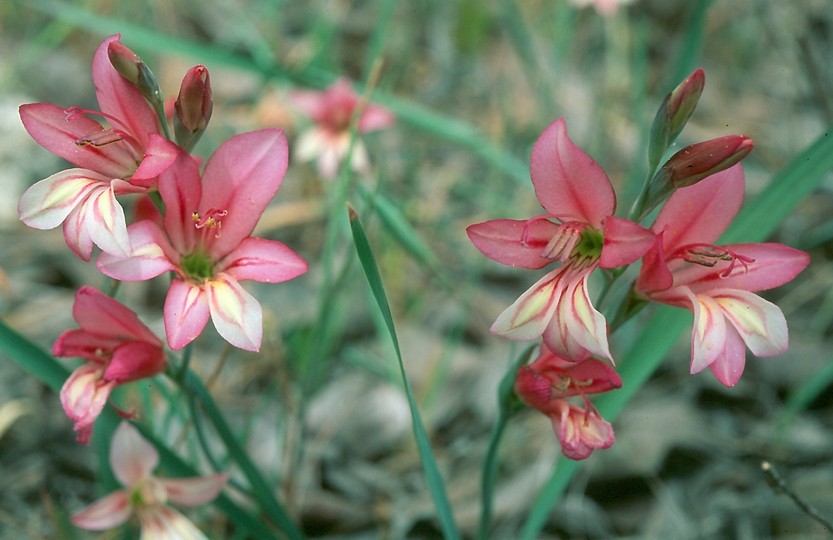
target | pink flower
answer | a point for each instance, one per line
(205, 239)
(118, 349)
(145, 495)
(328, 140)
(546, 383)
(686, 269)
(576, 192)
(123, 158)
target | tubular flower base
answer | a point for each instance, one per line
(685, 269)
(145, 495)
(577, 193)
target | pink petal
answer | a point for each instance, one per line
(82, 344)
(163, 523)
(131, 456)
(104, 316)
(236, 314)
(728, 367)
(149, 257)
(577, 327)
(103, 217)
(77, 234)
(700, 213)
(654, 275)
(624, 242)
(374, 118)
(568, 183)
(242, 177)
(262, 260)
(513, 242)
(83, 397)
(193, 491)
(709, 335)
(186, 313)
(311, 102)
(159, 155)
(105, 513)
(47, 203)
(528, 317)
(760, 323)
(580, 431)
(181, 189)
(133, 361)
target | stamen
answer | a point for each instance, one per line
(563, 241)
(211, 219)
(710, 256)
(100, 138)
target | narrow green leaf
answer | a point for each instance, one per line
(432, 473)
(32, 358)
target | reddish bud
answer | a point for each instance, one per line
(193, 106)
(131, 67)
(695, 162)
(673, 115)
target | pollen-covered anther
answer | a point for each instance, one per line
(709, 256)
(563, 242)
(100, 138)
(211, 219)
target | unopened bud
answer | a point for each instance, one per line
(193, 107)
(131, 67)
(673, 115)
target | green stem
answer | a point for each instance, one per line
(489, 478)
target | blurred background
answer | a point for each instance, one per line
(472, 83)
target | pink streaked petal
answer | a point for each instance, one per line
(120, 99)
(159, 155)
(163, 523)
(236, 314)
(186, 313)
(133, 361)
(104, 316)
(577, 327)
(83, 397)
(580, 431)
(760, 323)
(82, 344)
(131, 456)
(513, 242)
(568, 183)
(528, 317)
(728, 368)
(654, 275)
(181, 188)
(150, 255)
(103, 217)
(262, 260)
(193, 491)
(105, 513)
(700, 213)
(374, 118)
(77, 235)
(47, 203)
(624, 242)
(709, 335)
(242, 177)
(49, 127)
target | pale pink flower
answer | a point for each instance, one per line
(547, 382)
(605, 8)
(716, 283)
(328, 140)
(118, 349)
(576, 192)
(205, 239)
(146, 496)
(125, 157)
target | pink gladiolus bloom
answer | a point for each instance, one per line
(328, 140)
(205, 239)
(686, 269)
(125, 157)
(576, 192)
(118, 349)
(547, 382)
(133, 459)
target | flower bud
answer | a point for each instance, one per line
(673, 115)
(131, 67)
(193, 107)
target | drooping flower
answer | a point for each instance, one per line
(125, 157)
(205, 239)
(118, 349)
(576, 192)
(716, 283)
(146, 496)
(328, 141)
(547, 382)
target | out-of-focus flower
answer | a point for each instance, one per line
(576, 192)
(118, 349)
(205, 239)
(332, 111)
(146, 496)
(603, 7)
(716, 283)
(546, 383)
(125, 157)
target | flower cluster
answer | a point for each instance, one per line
(702, 187)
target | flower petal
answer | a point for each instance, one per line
(83, 397)
(102, 215)
(708, 336)
(262, 260)
(101, 315)
(580, 431)
(624, 242)
(47, 203)
(163, 523)
(374, 118)
(760, 323)
(159, 155)
(193, 491)
(514, 242)
(150, 255)
(186, 313)
(568, 183)
(105, 513)
(729, 366)
(131, 456)
(133, 361)
(181, 188)
(236, 314)
(530, 314)
(577, 327)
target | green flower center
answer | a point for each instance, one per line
(197, 266)
(589, 245)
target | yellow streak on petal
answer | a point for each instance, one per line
(748, 316)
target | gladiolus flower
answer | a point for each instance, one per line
(118, 349)
(205, 239)
(133, 459)
(328, 141)
(686, 269)
(125, 157)
(576, 192)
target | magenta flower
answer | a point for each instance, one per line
(716, 283)
(205, 239)
(144, 495)
(547, 382)
(576, 192)
(118, 349)
(328, 141)
(125, 157)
